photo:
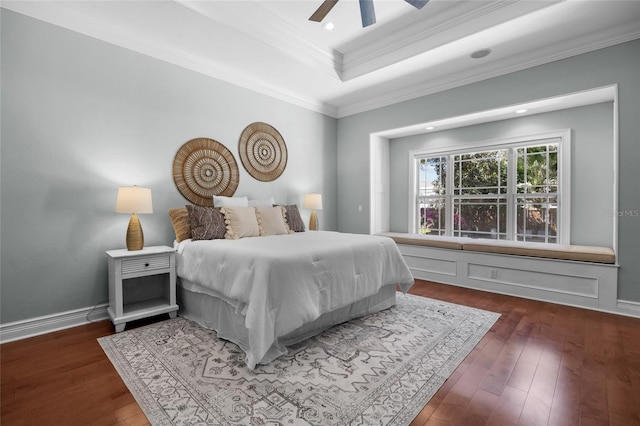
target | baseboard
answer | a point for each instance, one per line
(49, 323)
(629, 308)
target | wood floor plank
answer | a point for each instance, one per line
(525, 368)
(460, 395)
(481, 405)
(541, 363)
(621, 400)
(508, 407)
(537, 406)
(505, 362)
(594, 408)
(565, 407)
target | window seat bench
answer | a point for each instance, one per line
(594, 254)
(584, 276)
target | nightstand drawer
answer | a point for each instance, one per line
(140, 264)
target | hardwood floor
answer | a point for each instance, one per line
(540, 364)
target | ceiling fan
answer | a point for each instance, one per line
(367, 11)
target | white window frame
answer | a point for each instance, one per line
(562, 137)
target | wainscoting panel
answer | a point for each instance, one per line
(435, 266)
(538, 280)
(582, 284)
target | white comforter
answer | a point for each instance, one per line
(281, 282)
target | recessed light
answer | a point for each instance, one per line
(480, 53)
(329, 26)
(521, 111)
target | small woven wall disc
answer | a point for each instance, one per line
(203, 168)
(262, 151)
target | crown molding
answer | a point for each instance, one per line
(530, 59)
(441, 27)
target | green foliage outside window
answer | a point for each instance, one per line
(480, 189)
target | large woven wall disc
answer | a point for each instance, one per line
(262, 151)
(203, 168)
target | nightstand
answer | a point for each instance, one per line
(131, 295)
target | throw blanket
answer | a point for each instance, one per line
(280, 282)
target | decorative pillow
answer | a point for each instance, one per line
(272, 221)
(222, 201)
(207, 223)
(262, 204)
(181, 223)
(293, 218)
(241, 222)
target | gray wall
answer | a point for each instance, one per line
(79, 119)
(591, 157)
(618, 64)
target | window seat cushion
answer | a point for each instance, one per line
(595, 254)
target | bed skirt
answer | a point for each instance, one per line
(217, 314)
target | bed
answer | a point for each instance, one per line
(266, 293)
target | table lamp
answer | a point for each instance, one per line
(313, 202)
(134, 200)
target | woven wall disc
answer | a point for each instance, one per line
(262, 151)
(203, 168)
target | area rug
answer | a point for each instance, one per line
(378, 370)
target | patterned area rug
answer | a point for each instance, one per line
(378, 370)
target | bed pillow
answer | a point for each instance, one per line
(181, 223)
(262, 204)
(241, 222)
(272, 221)
(222, 201)
(207, 223)
(293, 218)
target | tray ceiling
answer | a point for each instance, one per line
(271, 46)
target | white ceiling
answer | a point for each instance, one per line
(271, 46)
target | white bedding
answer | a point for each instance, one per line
(280, 282)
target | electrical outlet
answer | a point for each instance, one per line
(494, 274)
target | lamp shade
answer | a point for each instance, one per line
(312, 201)
(132, 199)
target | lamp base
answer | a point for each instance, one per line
(313, 221)
(135, 237)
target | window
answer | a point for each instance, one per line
(506, 190)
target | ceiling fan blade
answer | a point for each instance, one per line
(367, 13)
(322, 11)
(418, 4)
